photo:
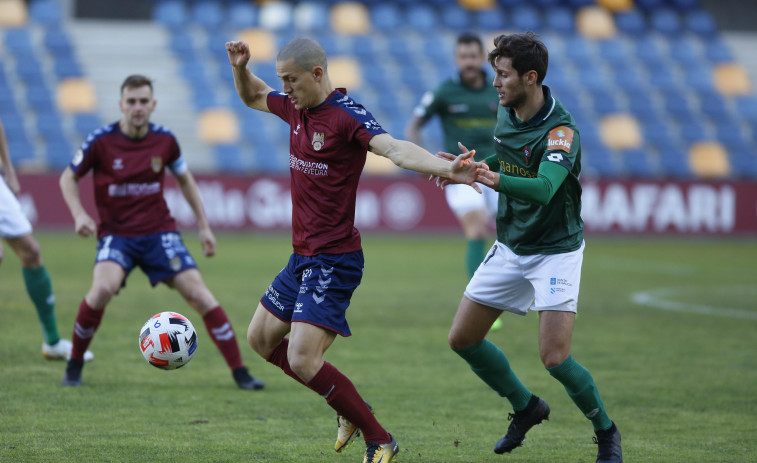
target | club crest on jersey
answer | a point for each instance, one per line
(318, 140)
(527, 153)
(156, 164)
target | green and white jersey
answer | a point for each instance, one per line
(529, 228)
(468, 115)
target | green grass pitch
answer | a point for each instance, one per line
(677, 370)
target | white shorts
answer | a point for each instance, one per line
(507, 281)
(463, 199)
(13, 222)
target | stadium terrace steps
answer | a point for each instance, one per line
(124, 48)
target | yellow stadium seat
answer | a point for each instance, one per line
(13, 13)
(477, 4)
(616, 5)
(262, 44)
(620, 131)
(350, 18)
(731, 79)
(76, 95)
(594, 22)
(379, 165)
(345, 72)
(218, 126)
(709, 159)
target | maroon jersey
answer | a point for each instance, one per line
(128, 175)
(327, 150)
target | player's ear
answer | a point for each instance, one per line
(318, 72)
(531, 77)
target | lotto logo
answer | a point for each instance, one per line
(555, 157)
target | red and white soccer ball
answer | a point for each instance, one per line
(168, 340)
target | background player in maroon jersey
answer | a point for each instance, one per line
(128, 160)
(329, 137)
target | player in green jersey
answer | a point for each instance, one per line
(467, 108)
(536, 261)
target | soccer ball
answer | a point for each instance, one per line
(168, 340)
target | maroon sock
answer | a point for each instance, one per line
(87, 321)
(222, 333)
(279, 358)
(342, 396)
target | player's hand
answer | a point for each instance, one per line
(85, 226)
(488, 178)
(208, 241)
(435, 178)
(239, 53)
(464, 169)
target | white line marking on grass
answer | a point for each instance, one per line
(661, 298)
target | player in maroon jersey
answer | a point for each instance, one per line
(128, 160)
(330, 134)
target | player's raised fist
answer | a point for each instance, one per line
(239, 53)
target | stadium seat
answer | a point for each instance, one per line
(386, 17)
(349, 18)
(45, 12)
(76, 95)
(490, 20)
(615, 52)
(172, 14)
(663, 79)
(345, 72)
(701, 23)
(732, 80)
(560, 20)
(66, 68)
(228, 158)
(13, 13)
(218, 126)
(578, 52)
(693, 130)
(276, 15)
(525, 18)
(207, 14)
(666, 22)
(683, 50)
(18, 42)
(242, 15)
(620, 132)
(631, 22)
(422, 18)
(605, 102)
(86, 123)
(58, 154)
(650, 5)
(56, 40)
(709, 160)
(477, 4)
(456, 18)
(718, 52)
(684, 5)
(746, 106)
(674, 162)
(714, 105)
(638, 162)
(50, 127)
(265, 44)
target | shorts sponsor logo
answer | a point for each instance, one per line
(273, 296)
(560, 138)
(298, 307)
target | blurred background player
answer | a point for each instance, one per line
(128, 160)
(466, 104)
(16, 230)
(330, 135)
(535, 264)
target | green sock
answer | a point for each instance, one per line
(40, 291)
(491, 365)
(581, 388)
(474, 254)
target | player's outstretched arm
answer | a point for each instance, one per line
(411, 156)
(191, 193)
(69, 187)
(251, 89)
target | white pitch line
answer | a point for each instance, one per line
(658, 299)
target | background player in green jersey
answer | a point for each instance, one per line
(536, 261)
(467, 108)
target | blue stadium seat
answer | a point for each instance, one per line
(674, 162)
(559, 20)
(578, 51)
(386, 17)
(743, 161)
(455, 17)
(18, 41)
(50, 126)
(615, 52)
(228, 158)
(605, 102)
(663, 79)
(208, 14)
(666, 22)
(172, 14)
(21, 151)
(701, 23)
(630, 81)
(490, 20)
(640, 104)
(312, 16)
(65, 68)
(58, 154)
(40, 100)
(649, 52)
(181, 44)
(658, 131)
(86, 123)
(692, 131)
(684, 52)
(363, 47)
(242, 15)
(525, 18)
(398, 47)
(631, 22)
(56, 40)
(638, 163)
(648, 5)
(15, 127)
(45, 12)
(747, 109)
(421, 18)
(677, 104)
(717, 51)
(575, 4)
(684, 5)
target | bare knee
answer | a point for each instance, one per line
(28, 251)
(458, 340)
(101, 293)
(304, 365)
(551, 359)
